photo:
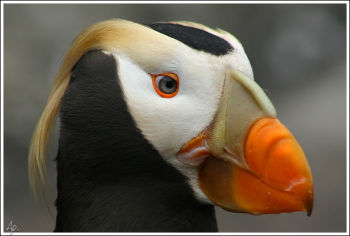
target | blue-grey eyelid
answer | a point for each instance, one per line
(157, 79)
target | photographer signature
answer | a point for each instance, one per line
(12, 227)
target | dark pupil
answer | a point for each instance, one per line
(167, 85)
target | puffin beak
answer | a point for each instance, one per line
(247, 160)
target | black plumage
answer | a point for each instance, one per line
(195, 38)
(109, 177)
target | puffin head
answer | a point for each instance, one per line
(190, 90)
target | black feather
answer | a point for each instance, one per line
(195, 38)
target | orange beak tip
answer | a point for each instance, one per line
(277, 178)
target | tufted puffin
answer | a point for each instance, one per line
(158, 123)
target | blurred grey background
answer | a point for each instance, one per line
(298, 53)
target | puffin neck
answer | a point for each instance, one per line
(109, 178)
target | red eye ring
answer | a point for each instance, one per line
(156, 86)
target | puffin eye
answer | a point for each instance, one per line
(166, 84)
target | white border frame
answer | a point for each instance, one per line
(177, 2)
